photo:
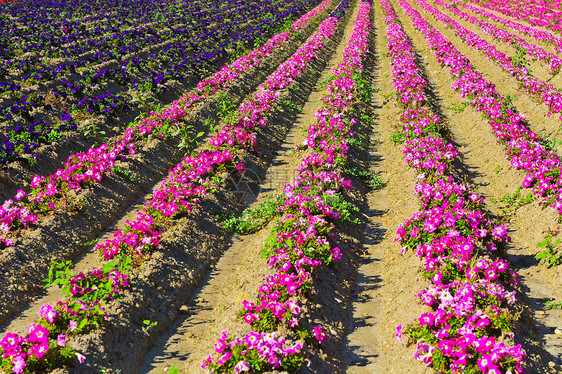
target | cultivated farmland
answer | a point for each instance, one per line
(303, 186)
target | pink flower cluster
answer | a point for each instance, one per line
(470, 304)
(252, 112)
(35, 344)
(546, 92)
(536, 12)
(523, 147)
(300, 241)
(534, 51)
(19, 348)
(83, 284)
(92, 166)
(13, 216)
(538, 34)
(265, 347)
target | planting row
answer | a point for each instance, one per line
(187, 183)
(545, 92)
(528, 11)
(523, 147)
(523, 47)
(101, 202)
(538, 34)
(45, 116)
(470, 292)
(299, 243)
(50, 193)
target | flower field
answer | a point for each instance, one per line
(303, 186)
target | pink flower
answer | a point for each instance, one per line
(72, 325)
(61, 340)
(399, 333)
(20, 195)
(81, 358)
(242, 366)
(19, 364)
(319, 334)
(224, 358)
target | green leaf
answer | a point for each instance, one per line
(542, 255)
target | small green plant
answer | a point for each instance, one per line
(188, 141)
(356, 142)
(520, 58)
(289, 104)
(92, 130)
(346, 209)
(226, 105)
(125, 174)
(148, 325)
(551, 304)
(550, 256)
(373, 180)
(398, 137)
(210, 124)
(511, 202)
(460, 107)
(552, 145)
(173, 370)
(252, 220)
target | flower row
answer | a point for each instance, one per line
(83, 169)
(546, 92)
(520, 44)
(299, 243)
(146, 75)
(184, 186)
(535, 13)
(469, 294)
(538, 34)
(522, 146)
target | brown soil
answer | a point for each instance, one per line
(193, 286)
(21, 278)
(484, 162)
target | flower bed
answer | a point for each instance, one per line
(470, 301)
(186, 183)
(300, 241)
(522, 146)
(550, 96)
(83, 169)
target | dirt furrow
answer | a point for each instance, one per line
(535, 113)
(383, 295)
(484, 163)
(539, 68)
(64, 236)
(239, 272)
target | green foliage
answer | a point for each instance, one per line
(338, 202)
(551, 304)
(460, 107)
(61, 276)
(125, 174)
(188, 141)
(373, 180)
(252, 220)
(550, 256)
(509, 203)
(398, 137)
(226, 106)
